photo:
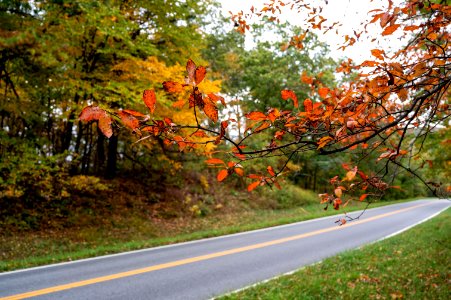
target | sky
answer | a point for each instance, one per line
(349, 12)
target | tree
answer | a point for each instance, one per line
(393, 102)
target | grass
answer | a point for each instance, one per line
(412, 265)
(38, 248)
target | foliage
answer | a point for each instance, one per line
(374, 113)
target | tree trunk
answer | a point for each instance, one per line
(112, 157)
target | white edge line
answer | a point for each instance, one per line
(319, 262)
(200, 240)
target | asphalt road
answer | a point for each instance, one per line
(207, 268)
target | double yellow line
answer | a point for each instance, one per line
(185, 261)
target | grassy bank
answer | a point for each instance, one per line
(412, 265)
(29, 249)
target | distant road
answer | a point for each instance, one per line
(207, 268)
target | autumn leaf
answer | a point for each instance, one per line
(134, 113)
(200, 74)
(222, 175)
(378, 53)
(323, 92)
(308, 105)
(306, 79)
(91, 113)
(150, 99)
(324, 141)
(263, 126)
(128, 120)
(172, 87)
(216, 98)
(211, 111)
(271, 171)
(338, 192)
(252, 186)
(289, 94)
(105, 126)
(239, 171)
(191, 70)
(95, 113)
(256, 116)
(363, 197)
(214, 161)
(390, 29)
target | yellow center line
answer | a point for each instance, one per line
(200, 258)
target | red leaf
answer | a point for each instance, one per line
(95, 113)
(150, 99)
(222, 175)
(200, 74)
(289, 94)
(256, 116)
(214, 161)
(308, 105)
(172, 87)
(191, 69)
(253, 185)
(363, 197)
(92, 113)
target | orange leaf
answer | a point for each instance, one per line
(363, 197)
(211, 111)
(214, 161)
(271, 171)
(256, 116)
(323, 92)
(239, 171)
(200, 74)
(172, 87)
(306, 79)
(289, 94)
(263, 126)
(105, 126)
(378, 53)
(253, 185)
(308, 105)
(222, 175)
(324, 141)
(390, 29)
(134, 113)
(128, 120)
(216, 98)
(149, 99)
(338, 192)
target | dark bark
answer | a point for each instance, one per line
(112, 157)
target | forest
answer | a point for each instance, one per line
(79, 147)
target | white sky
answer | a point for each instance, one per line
(349, 12)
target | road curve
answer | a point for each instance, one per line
(206, 268)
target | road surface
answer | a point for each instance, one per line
(210, 267)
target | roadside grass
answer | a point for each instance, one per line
(412, 265)
(19, 251)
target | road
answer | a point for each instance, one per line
(206, 268)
